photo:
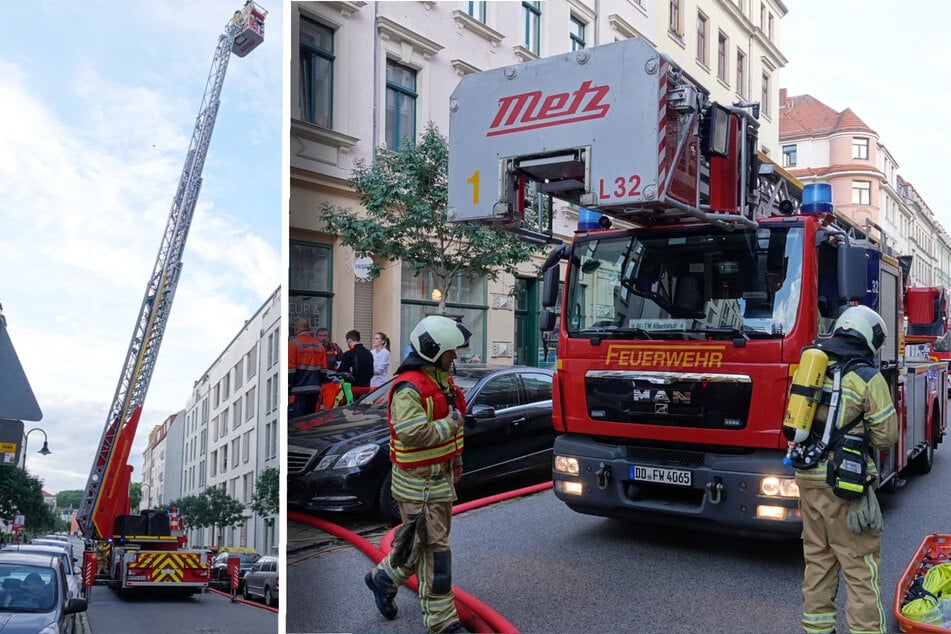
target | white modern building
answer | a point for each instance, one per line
(231, 427)
(161, 464)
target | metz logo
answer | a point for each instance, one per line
(532, 110)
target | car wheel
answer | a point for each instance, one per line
(268, 597)
(244, 592)
(388, 508)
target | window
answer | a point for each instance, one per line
(702, 39)
(741, 73)
(723, 48)
(769, 27)
(860, 148)
(214, 463)
(235, 452)
(476, 10)
(251, 362)
(249, 403)
(236, 413)
(499, 393)
(238, 375)
(214, 427)
(861, 193)
(309, 286)
(316, 73)
(466, 298)
(246, 448)
(762, 17)
(577, 34)
(789, 156)
(248, 487)
(216, 393)
(224, 423)
(224, 458)
(270, 440)
(400, 105)
(537, 387)
(275, 384)
(531, 26)
(273, 339)
(673, 18)
(269, 403)
(764, 100)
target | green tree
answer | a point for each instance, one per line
(21, 493)
(190, 511)
(212, 508)
(135, 496)
(405, 199)
(69, 499)
(266, 501)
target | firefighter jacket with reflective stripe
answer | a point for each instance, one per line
(421, 431)
(865, 394)
(306, 357)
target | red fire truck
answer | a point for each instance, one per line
(698, 273)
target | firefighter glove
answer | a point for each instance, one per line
(865, 514)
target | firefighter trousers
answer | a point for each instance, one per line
(828, 547)
(430, 561)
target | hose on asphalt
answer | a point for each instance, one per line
(475, 615)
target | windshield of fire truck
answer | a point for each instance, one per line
(694, 283)
(943, 344)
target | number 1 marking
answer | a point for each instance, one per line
(474, 179)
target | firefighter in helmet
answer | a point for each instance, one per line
(425, 417)
(841, 519)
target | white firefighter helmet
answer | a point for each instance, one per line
(864, 322)
(436, 334)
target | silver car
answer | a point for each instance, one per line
(34, 596)
(73, 580)
(262, 581)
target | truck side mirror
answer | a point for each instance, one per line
(550, 286)
(853, 273)
(546, 320)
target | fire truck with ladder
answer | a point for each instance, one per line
(149, 550)
(698, 273)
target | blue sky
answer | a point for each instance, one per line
(100, 100)
(887, 62)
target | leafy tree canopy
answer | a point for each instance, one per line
(266, 501)
(21, 493)
(69, 499)
(405, 199)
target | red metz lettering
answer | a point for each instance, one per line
(522, 111)
(517, 102)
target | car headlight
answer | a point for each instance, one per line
(357, 457)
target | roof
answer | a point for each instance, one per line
(805, 116)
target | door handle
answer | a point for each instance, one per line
(517, 421)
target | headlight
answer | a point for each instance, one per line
(779, 487)
(564, 464)
(357, 457)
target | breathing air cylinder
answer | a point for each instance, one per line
(804, 395)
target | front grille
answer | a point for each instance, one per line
(668, 399)
(661, 456)
(297, 460)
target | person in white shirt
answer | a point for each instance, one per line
(380, 348)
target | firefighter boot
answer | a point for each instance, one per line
(384, 593)
(455, 628)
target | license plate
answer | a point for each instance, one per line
(662, 475)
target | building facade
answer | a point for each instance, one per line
(366, 75)
(231, 427)
(161, 463)
(838, 148)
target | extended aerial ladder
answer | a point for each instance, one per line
(107, 490)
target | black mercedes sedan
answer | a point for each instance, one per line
(338, 459)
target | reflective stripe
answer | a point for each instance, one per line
(823, 623)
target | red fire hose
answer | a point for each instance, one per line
(475, 615)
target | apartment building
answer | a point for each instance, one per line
(820, 144)
(161, 480)
(366, 75)
(231, 426)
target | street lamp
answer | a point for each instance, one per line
(26, 440)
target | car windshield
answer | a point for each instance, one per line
(27, 588)
(67, 564)
(685, 284)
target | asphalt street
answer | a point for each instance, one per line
(548, 569)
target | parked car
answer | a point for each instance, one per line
(262, 581)
(219, 567)
(338, 460)
(66, 546)
(34, 596)
(73, 580)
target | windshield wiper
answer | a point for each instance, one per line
(615, 332)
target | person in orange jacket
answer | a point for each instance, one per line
(306, 370)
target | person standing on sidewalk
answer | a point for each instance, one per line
(426, 412)
(306, 364)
